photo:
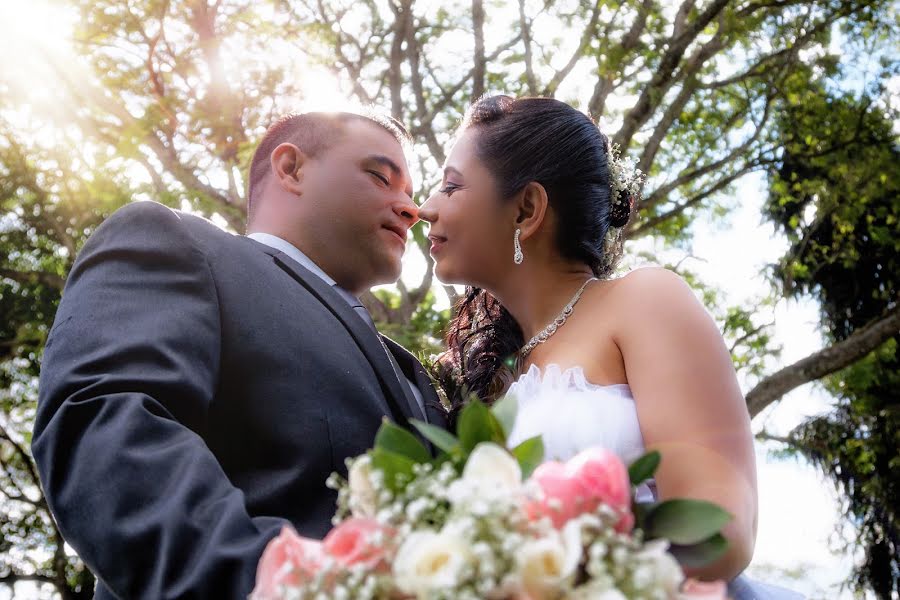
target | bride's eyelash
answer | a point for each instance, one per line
(449, 189)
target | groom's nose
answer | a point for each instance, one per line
(407, 211)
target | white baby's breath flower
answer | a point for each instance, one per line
(596, 590)
(669, 573)
(428, 561)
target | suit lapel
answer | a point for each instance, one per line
(434, 410)
(359, 331)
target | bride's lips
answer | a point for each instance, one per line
(437, 242)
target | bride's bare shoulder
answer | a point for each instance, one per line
(654, 293)
(648, 284)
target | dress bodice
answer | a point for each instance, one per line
(571, 414)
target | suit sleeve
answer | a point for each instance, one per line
(129, 370)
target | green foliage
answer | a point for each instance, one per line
(836, 195)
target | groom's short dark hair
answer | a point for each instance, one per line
(313, 133)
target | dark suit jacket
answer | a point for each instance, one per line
(197, 390)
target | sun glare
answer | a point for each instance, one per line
(35, 41)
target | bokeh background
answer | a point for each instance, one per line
(768, 128)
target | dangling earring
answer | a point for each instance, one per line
(518, 257)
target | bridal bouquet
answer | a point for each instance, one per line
(484, 521)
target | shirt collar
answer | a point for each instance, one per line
(277, 243)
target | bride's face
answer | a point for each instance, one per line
(472, 228)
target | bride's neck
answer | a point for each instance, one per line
(536, 293)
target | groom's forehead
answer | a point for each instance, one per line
(361, 140)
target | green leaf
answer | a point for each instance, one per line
(505, 412)
(700, 554)
(400, 441)
(530, 454)
(442, 439)
(476, 425)
(685, 521)
(643, 468)
(395, 467)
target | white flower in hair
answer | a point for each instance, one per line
(624, 176)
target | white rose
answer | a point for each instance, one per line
(363, 496)
(428, 561)
(548, 563)
(491, 472)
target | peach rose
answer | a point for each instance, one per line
(288, 560)
(356, 542)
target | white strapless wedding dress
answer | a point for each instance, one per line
(571, 414)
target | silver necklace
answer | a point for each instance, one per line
(555, 324)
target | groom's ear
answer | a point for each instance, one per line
(287, 167)
(532, 207)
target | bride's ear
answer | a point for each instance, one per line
(532, 208)
(287, 167)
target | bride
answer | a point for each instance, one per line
(529, 216)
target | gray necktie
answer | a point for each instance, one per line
(417, 409)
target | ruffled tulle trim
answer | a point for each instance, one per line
(554, 378)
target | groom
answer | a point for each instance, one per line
(198, 387)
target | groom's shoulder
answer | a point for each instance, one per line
(153, 217)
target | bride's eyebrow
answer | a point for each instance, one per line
(451, 171)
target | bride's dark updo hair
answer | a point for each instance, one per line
(520, 141)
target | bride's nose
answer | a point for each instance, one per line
(428, 211)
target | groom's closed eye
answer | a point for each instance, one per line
(376, 164)
(379, 176)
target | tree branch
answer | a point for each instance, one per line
(605, 84)
(694, 64)
(27, 461)
(663, 77)
(583, 44)
(691, 174)
(480, 60)
(447, 97)
(824, 362)
(395, 69)
(680, 208)
(11, 579)
(525, 34)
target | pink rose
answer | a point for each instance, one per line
(288, 560)
(604, 479)
(355, 542)
(562, 496)
(693, 589)
(568, 490)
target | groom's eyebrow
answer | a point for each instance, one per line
(387, 162)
